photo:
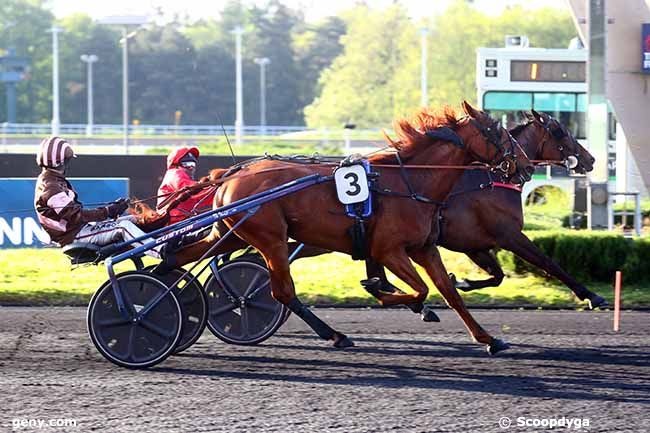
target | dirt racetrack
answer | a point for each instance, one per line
(404, 375)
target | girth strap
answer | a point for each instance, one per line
(411, 194)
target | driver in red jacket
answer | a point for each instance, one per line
(181, 172)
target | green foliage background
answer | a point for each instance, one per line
(362, 66)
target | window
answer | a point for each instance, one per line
(555, 102)
(507, 101)
(506, 106)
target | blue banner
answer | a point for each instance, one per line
(19, 226)
(645, 48)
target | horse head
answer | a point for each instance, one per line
(504, 155)
(560, 145)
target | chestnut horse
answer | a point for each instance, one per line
(477, 218)
(400, 228)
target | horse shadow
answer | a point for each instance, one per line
(533, 371)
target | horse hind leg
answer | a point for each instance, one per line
(429, 258)
(270, 241)
(488, 262)
(519, 244)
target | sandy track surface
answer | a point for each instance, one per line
(403, 375)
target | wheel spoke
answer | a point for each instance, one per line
(252, 283)
(156, 329)
(227, 286)
(223, 309)
(244, 322)
(129, 346)
(109, 323)
(127, 300)
(259, 289)
(262, 306)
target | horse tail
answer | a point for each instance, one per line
(146, 218)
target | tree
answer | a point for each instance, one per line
(271, 36)
(358, 87)
(24, 25)
(316, 46)
(162, 71)
(377, 77)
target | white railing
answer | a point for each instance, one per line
(185, 130)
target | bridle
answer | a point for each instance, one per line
(569, 159)
(507, 163)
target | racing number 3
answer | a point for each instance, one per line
(353, 180)
(351, 184)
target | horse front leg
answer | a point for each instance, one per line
(519, 244)
(398, 262)
(429, 258)
(377, 283)
(488, 262)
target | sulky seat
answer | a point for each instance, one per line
(81, 252)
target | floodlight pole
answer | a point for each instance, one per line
(89, 59)
(125, 88)
(424, 96)
(239, 113)
(263, 61)
(56, 121)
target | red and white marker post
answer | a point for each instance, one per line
(617, 301)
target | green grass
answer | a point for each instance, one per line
(548, 210)
(43, 277)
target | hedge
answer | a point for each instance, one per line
(588, 255)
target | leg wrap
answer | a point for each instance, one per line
(320, 327)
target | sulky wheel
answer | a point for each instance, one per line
(126, 338)
(241, 308)
(193, 300)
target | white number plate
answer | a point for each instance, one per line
(351, 184)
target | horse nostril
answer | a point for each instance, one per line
(593, 159)
(530, 170)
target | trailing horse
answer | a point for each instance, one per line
(403, 226)
(482, 213)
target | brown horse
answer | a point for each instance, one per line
(399, 230)
(477, 218)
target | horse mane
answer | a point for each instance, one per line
(519, 128)
(411, 133)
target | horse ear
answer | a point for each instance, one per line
(469, 110)
(537, 116)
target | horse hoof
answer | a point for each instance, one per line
(373, 286)
(597, 301)
(459, 284)
(341, 341)
(496, 345)
(428, 315)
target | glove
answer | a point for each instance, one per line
(114, 210)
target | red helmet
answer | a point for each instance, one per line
(174, 158)
(54, 152)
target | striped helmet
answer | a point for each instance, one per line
(53, 152)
